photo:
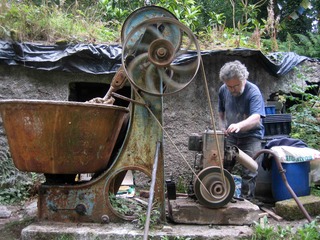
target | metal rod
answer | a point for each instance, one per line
(284, 179)
(151, 192)
(127, 99)
(109, 93)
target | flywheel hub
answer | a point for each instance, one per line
(161, 52)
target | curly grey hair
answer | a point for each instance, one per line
(231, 70)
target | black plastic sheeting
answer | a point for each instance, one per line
(105, 59)
(278, 63)
(88, 58)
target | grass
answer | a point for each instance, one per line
(264, 231)
(315, 190)
(28, 22)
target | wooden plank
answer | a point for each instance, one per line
(271, 213)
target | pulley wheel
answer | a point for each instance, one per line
(211, 191)
(150, 53)
(145, 13)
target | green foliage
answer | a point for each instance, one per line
(315, 190)
(305, 113)
(263, 231)
(308, 45)
(15, 186)
(129, 207)
(100, 21)
(217, 18)
(309, 231)
(303, 24)
(30, 22)
(122, 206)
(154, 219)
(181, 186)
(113, 12)
(187, 11)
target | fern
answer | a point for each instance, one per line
(308, 45)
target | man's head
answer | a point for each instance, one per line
(234, 75)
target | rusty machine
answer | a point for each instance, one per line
(64, 139)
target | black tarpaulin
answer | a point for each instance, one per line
(105, 59)
(278, 63)
(88, 58)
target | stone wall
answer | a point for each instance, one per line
(185, 112)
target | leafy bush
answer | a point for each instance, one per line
(308, 45)
(305, 112)
(305, 120)
(15, 185)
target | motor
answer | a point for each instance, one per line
(212, 184)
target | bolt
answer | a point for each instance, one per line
(105, 219)
(81, 209)
(162, 52)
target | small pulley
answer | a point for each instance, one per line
(150, 55)
(211, 190)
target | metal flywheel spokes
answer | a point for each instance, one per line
(151, 52)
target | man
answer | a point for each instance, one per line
(241, 107)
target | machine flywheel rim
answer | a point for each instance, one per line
(210, 189)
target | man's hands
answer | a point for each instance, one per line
(233, 128)
(245, 125)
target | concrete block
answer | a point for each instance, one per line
(289, 210)
(187, 211)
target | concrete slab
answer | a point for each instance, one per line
(53, 230)
(289, 210)
(230, 229)
(186, 210)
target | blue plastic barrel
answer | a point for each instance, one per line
(298, 178)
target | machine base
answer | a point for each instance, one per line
(230, 222)
(187, 211)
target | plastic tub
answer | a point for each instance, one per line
(297, 176)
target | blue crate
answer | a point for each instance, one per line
(270, 109)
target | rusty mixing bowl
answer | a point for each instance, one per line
(59, 137)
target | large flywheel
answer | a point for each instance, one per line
(211, 190)
(150, 55)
